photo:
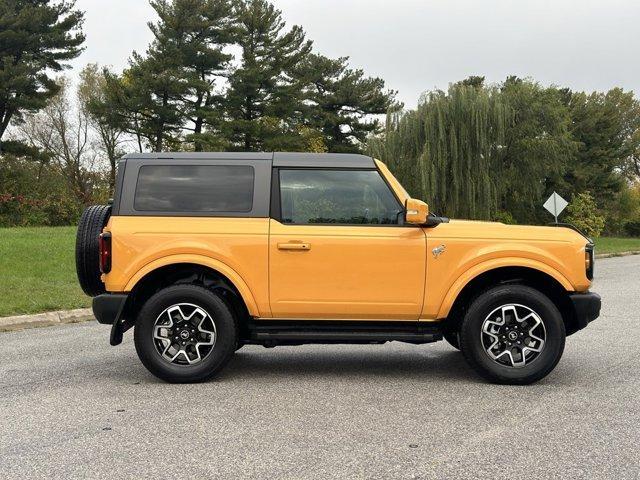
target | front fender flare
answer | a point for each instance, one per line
(486, 266)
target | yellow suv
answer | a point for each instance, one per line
(205, 252)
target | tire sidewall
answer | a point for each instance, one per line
(471, 337)
(223, 349)
(90, 226)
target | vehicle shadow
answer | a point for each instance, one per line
(354, 362)
(415, 365)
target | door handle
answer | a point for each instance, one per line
(294, 246)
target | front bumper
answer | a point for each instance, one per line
(586, 307)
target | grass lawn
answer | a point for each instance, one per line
(38, 272)
(617, 245)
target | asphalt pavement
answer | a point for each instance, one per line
(71, 406)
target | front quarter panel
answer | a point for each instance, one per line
(472, 248)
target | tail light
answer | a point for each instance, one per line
(104, 242)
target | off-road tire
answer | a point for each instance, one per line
(223, 348)
(92, 221)
(471, 335)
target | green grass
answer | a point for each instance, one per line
(37, 271)
(617, 245)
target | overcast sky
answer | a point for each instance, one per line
(418, 45)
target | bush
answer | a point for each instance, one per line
(621, 210)
(632, 228)
(504, 217)
(583, 213)
(36, 194)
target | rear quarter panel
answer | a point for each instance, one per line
(237, 247)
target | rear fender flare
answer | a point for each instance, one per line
(212, 263)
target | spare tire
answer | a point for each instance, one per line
(90, 227)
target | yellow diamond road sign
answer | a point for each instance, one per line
(555, 205)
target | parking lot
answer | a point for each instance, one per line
(72, 406)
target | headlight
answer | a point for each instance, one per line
(588, 260)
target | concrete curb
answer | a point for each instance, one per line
(47, 318)
(618, 254)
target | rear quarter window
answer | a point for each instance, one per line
(195, 188)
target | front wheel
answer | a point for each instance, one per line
(512, 334)
(185, 334)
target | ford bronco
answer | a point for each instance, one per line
(202, 253)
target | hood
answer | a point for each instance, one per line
(497, 230)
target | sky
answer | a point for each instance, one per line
(420, 45)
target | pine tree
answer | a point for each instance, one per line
(37, 37)
(339, 102)
(145, 98)
(196, 32)
(264, 99)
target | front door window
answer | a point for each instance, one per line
(339, 197)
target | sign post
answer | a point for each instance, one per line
(555, 204)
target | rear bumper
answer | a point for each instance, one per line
(586, 307)
(108, 307)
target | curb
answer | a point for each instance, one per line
(46, 319)
(617, 254)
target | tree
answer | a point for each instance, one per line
(537, 150)
(37, 37)
(448, 149)
(604, 125)
(473, 81)
(144, 100)
(170, 90)
(196, 32)
(94, 104)
(263, 103)
(63, 133)
(339, 102)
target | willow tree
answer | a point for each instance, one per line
(447, 151)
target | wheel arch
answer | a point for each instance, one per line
(183, 263)
(547, 281)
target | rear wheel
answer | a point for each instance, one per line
(185, 333)
(512, 334)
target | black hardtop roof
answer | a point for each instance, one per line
(279, 159)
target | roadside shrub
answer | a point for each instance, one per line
(632, 228)
(583, 213)
(504, 217)
(624, 208)
(36, 194)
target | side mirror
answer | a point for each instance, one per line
(416, 212)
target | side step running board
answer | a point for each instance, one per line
(272, 333)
